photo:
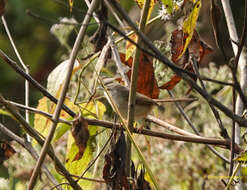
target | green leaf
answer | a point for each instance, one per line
(169, 5)
(77, 167)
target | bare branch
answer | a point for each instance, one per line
(30, 149)
(33, 133)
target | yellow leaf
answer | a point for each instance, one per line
(41, 123)
(140, 3)
(70, 5)
(190, 24)
(130, 48)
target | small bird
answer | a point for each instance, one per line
(120, 96)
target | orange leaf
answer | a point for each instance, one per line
(172, 83)
(146, 82)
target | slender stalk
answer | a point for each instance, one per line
(179, 107)
(22, 64)
(56, 114)
(33, 133)
(30, 149)
(186, 75)
(133, 84)
(240, 62)
(34, 110)
(223, 131)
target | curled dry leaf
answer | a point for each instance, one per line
(114, 168)
(196, 48)
(80, 133)
(6, 151)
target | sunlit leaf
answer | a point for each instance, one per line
(130, 48)
(71, 2)
(43, 124)
(76, 167)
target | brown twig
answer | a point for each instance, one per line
(33, 81)
(58, 108)
(203, 140)
(33, 133)
(30, 149)
(223, 131)
(34, 110)
(179, 107)
(183, 73)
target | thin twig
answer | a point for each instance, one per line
(22, 64)
(223, 131)
(56, 114)
(118, 62)
(183, 73)
(132, 94)
(30, 149)
(33, 133)
(179, 107)
(34, 110)
(217, 81)
(239, 62)
(33, 82)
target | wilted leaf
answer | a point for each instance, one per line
(172, 83)
(177, 41)
(78, 166)
(114, 168)
(142, 184)
(80, 133)
(146, 82)
(57, 76)
(196, 48)
(6, 151)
